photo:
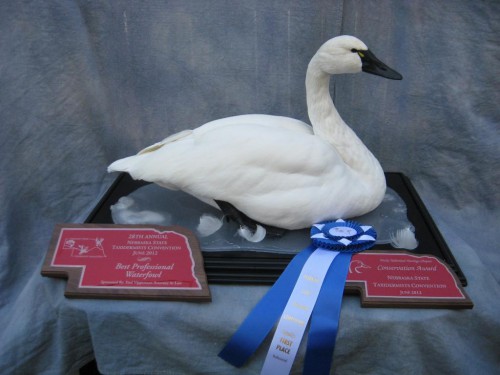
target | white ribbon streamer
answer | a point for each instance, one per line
(293, 322)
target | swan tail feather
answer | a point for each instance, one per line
(136, 167)
(129, 164)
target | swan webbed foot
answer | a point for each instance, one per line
(232, 213)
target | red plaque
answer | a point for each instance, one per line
(403, 279)
(127, 262)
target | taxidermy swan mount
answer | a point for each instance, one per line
(277, 171)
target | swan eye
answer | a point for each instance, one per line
(354, 50)
(361, 54)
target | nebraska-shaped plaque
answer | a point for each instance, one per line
(401, 279)
(127, 262)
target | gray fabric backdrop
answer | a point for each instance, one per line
(83, 83)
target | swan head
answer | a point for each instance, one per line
(347, 54)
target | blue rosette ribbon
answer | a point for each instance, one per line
(330, 252)
(344, 236)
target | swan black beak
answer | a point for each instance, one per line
(371, 64)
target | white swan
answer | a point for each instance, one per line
(277, 170)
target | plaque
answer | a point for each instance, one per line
(127, 262)
(402, 279)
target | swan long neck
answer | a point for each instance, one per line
(328, 125)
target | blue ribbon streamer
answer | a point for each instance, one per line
(325, 318)
(265, 314)
(326, 312)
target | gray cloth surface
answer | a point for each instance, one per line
(84, 83)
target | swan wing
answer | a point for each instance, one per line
(285, 123)
(169, 139)
(271, 173)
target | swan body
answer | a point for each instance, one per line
(277, 170)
